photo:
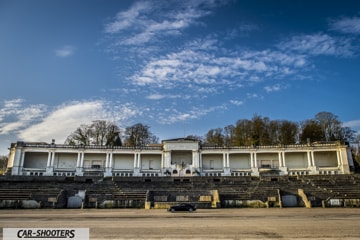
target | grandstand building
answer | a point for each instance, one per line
(178, 158)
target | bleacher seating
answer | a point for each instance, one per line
(234, 191)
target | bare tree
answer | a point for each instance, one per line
(288, 132)
(330, 125)
(99, 132)
(215, 136)
(139, 135)
(311, 131)
(81, 136)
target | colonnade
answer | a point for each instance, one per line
(43, 159)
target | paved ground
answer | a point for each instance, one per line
(209, 224)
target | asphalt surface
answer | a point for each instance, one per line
(243, 223)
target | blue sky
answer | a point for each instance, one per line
(180, 67)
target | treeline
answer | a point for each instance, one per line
(325, 126)
(106, 133)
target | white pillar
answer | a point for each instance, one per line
(107, 160)
(139, 160)
(200, 161)
(280, 159)
(255, 160)
(252, 160)
(224, 160)
(108, 165)
(228, 159)
(52, 159)
(111, 160)
(341, 158)
(196, 158)
(312, 158)
(309, 159)
(283, 159)
(167, 159)
(162, 160)
(78, 160)
(82, 160)
(49, 159)
(135, 160)
(22, 160)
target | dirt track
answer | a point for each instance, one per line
(289, 223)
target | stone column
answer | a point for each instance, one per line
(254, 165)
(165, 162)
(167, 159)
(312, 166)
(312, 159)
(226, 167)
(339, 158)
(78, 160)
(52, 160)
(17, 162)
(82, 160)
(80, 167)
(108, 165)
(50, 164)
(344, 154)
(22, 159)
(136, 164)
(280, 159)
(196, 159)
(255, 160)
(107, 161)
(49, 159)
(282, 166)
(139, 161)
(111, 160)
(283, 158)
(309, 158)
(228, 160)
(162, 165)
(200, 163)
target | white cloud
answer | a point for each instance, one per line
(202, 68)
(171, 116)
(273, 88)
(319, 44)
(354, 124)
(35, 123)
(126, 19)
(10, 107)
(195, 70)
(65, 51)
(237, 102)
(254, 96)
(66, 118)
(346, 25)
(155, 96)
(62, 121)
(146, 21)
(14, 116)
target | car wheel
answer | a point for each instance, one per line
(190, 210)
(172, 210)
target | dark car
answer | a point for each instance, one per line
(182, 207)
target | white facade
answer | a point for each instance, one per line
(178, 157)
